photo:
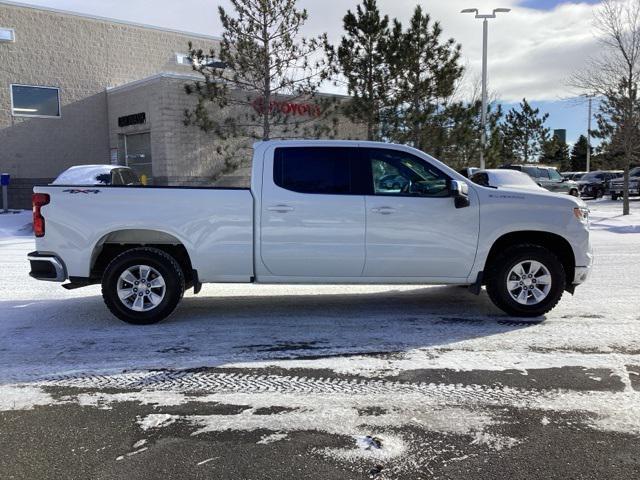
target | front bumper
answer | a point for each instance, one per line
(47, 267)
(581, 275)
(590, 190)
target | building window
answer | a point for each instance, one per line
(32, 101)
(7, 35)
(184, 59)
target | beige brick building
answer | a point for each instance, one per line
(120, 91)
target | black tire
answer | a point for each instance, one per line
(506, 261)
(164, 264)
(614, 197)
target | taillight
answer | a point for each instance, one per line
(39, 200)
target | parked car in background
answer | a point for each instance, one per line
(548, 178)
(98, 175)
(498, 178)
(616, 186)
(468, 171)
(575, 176)
(595, 184)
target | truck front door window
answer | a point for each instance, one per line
(399, 173)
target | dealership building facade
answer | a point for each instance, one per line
(76, 89)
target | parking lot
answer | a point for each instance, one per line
(325, 381)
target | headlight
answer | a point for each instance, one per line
(582, 214)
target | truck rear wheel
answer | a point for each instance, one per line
(526, 281)
(143, 286)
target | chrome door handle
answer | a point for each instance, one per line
(281, 208)
(384, 210)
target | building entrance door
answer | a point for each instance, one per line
(137, 150)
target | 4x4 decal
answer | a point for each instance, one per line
(78, 190)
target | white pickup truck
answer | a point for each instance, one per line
(317, 212)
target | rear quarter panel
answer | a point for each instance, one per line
(214, 225)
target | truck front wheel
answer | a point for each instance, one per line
(526, 281)
(143, 286)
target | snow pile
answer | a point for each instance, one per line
(22, 397)
(382, 447)
(606, 215)
(16, 223)
(156, 420)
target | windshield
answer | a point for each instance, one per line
(554, 175)
(590, 177)
(512, 178)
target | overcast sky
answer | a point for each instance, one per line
(532, 49)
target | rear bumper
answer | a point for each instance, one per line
(618, 190)
(47, 267)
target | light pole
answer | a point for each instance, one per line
(589, 137)
(485, 36)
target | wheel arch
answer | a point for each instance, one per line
(555, 243)
(116, 242)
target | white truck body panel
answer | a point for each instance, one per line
(273, 235)
(215, 226)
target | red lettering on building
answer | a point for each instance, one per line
(288, 108)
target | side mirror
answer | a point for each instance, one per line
(460, 193)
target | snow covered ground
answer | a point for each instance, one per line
(47, 330)
(353, 361)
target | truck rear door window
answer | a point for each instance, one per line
(319, 170)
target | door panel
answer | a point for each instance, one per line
(423, 237)
(311, 234)
(416, 231)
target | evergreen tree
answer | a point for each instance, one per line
(426, 72)
(261, 59)
(618, 126)
(463, 145)
(525, 133)
(579, 155)
(363, 60)
(556, 152)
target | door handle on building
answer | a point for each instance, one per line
(384, 210)
(281, 208)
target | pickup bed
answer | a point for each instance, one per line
(317, 212)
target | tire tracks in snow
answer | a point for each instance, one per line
(211, 382)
